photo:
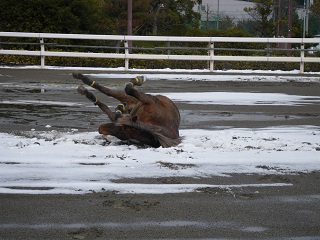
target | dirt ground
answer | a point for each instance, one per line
(286, 212)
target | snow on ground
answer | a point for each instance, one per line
(75, 163)
(204, 75)
(193, 74)
(241, 98)
(53, 162)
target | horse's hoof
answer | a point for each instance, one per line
(139, 80)
(129, 88)
(82, 90)
(77, 75)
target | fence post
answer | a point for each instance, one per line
(127, 52)
(42, 50)
(302, 58)
(211, 51)
(168, 46)
(268, 49)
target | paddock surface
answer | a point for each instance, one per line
(43, 100)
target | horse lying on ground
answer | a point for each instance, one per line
(152, 120)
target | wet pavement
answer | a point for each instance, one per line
(48, 99)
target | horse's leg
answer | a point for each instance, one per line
(83, 91)
(120, 95)
(142, 97)
(120, 110)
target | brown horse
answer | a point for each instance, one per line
(152, 120)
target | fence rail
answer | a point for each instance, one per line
(128, 54)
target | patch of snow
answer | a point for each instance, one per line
(52, 162)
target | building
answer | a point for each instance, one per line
(212, 10)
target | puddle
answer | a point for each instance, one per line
(30, 188)
(300, 199)
(254, 229)
(242, 98)
(39, 102)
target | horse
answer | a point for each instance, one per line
(152, 120)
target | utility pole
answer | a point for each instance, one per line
(290, 20)
(207, 16)
(278, 18)
(307, 16)
(218, 17)
(129, 23)
(290, 27)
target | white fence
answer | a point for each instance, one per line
(210, 55)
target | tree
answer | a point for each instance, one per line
(62, 16)
(315, 18)
(116, 12)
(226, 22)
(170, 17)
(315, 7)
(262, 14)
(248, 25)
(282, 18)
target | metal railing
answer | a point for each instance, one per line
(127, 51)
